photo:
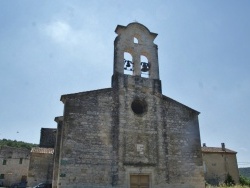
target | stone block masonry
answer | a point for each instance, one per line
(130, 134)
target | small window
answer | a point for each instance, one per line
(135, 40)
(21, 161)
(4, 162)
(1, 176)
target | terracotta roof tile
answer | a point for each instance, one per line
(42, 150)
(216, 150)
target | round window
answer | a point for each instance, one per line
(139, 107)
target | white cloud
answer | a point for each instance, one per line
(61, 32)
(78, 42)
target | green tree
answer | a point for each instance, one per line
(244, 181)
(229, 180)
(17, 144)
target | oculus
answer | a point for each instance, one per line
(139, 107)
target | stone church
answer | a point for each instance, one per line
(129, 135)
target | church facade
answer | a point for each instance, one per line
(129, 135)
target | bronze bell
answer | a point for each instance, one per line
(145, 67)
(128, 64)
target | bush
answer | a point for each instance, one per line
(244, 181)
(229, 180)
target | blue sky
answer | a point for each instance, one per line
(51, 48)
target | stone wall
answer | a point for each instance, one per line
(107, 136)
(218, 165)
(183, 144)
(57, 154)
(167, 132)
(14, 164)
(41, 166)
(104, 141)
(47, 138)
(86, 151)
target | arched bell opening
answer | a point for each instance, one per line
(128, 64)
(145, 66)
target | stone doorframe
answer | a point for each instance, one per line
(139, 171)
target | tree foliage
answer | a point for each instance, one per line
(229, 180)
(17, 144)
(244, 181)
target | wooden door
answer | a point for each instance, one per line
(139, 181)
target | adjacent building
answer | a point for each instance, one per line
(218, 162)
(14, 164)
(42, 158)
(41, 166)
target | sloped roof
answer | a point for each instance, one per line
(166, 98)
(42, 150)
(92, 92)
(216, 150)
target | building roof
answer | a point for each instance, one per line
(42, 150)
(84, 93)
(216, 150)
(166, 98)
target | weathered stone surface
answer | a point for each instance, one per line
(47, 138)
(131, 128)
(14, 164)
(41, 166)
(218, 162)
